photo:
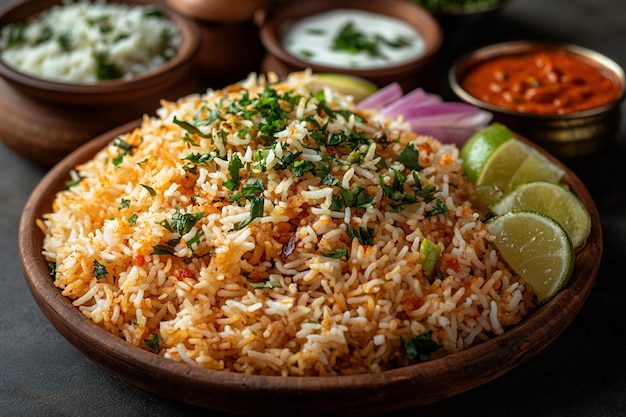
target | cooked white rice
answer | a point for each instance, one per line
(86, 42)
(293, 292)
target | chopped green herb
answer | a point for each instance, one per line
(266, 285)
(52, 269)
(70, 183)
(256, 210)
(189, 128)
(418, 348)
(132, 220)
(365, 235)
(99, 270)
(335, 253)
(183, 222)
(234, 165)
(162, 250)
(106, 70)
(150, 189)
(439, 208)
(124, 203)
(153, 342)
(409, 158)
(301, 167)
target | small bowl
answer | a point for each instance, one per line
(106, 92)
(220, 11)
(420, 71)
(43, 121)
(231, 392)
(226, 29)
(464, 24)
(569, 136)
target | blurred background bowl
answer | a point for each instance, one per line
(418, 72)
(104, 92)
(569, 136)
(43, 120)
(462, 21)
(230, 47)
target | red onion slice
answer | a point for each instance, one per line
(382, 97)
(416, 98)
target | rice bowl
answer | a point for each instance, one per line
(234, 392)
(295, 260)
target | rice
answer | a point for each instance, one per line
(83, 42)
(273, 228)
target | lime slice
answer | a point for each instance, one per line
(357, 87)
(536, 167)
(501, 167)
(536, 248)
(553, 200)
(479, 148)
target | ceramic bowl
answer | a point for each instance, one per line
(43, 121)
(418, 72)
(410, 386)
(569, 136)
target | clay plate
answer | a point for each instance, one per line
(410, 386)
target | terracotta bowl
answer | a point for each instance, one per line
(106, 92)
(226, 29)
(220, 11)
(43, 121)
(570, 136)
(410, 386)
(419, 72)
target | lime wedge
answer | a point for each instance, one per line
(536, 248)
(553, 200)
(480, 147)
(499, 170)
(357, 87)
(536, 167)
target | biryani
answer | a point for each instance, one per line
(274, 228)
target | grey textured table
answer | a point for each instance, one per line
(582, 373)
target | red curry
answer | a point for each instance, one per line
(547, 82)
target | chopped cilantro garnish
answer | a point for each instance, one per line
(418, 348)
(365, 235)
(335, 253)
(153, 342)
(439, 208)
(125, 202)
(409, 158)
(189, 128)
(234, 165)
(150, 189)
(99, 270)
(265, 285)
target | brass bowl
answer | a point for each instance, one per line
(568, 136)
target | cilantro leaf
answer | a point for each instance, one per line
(409, 158)
(418, 348)
(99, 270)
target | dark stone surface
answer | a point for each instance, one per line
(581, 374)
